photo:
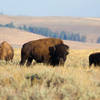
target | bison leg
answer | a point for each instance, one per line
(90, 63)
(29, 61)
(23, 59)
(61, 61)
(95, 64)
(22, 62)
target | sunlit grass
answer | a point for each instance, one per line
(74, 81)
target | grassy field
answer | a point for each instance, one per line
(74, 81)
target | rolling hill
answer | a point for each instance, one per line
(18, 37)
(89, 27)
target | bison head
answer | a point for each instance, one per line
(58, 54)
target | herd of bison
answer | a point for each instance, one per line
(49, 51)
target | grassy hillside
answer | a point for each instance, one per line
(74, 81)
(18, 37)
(90, 27)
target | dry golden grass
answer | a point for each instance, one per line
(74, 81)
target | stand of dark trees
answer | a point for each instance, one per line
(49, 33)
(98, 40)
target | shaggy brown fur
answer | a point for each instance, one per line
(94, 58)
(38, 50)
(6, 51)
(58, 54)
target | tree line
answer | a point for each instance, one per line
(49, 33)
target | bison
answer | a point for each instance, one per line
(38, 50)
(6, 51)
(94, 58)
(58, 54)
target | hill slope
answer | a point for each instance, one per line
(18, 37)
(90, 27)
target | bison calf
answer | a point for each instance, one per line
(94, 58)
(6, 51)
(38, 50)
(58, 54)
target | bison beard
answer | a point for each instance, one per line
(38, 50)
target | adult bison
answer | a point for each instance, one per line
(58, 54)
(38, 50)
(94, 58)
(6, 51)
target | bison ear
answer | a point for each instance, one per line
(52, 50)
